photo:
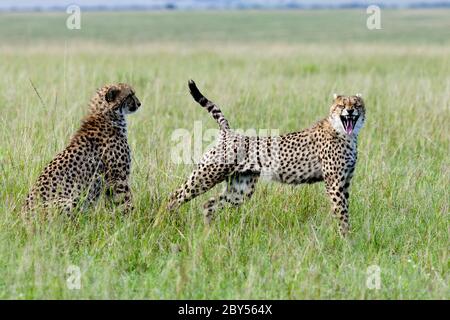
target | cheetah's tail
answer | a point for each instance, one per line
(209, 105)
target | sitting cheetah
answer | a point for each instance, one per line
(325, 152)
(97, 157)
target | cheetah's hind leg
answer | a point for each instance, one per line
(50, 209)
(203, 178)
(238, 188)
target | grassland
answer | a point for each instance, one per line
(274, 70)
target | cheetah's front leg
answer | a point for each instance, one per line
(118, 191)
(337, 189)
(118, 165)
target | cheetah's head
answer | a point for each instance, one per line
(119, 98)
(347, 114)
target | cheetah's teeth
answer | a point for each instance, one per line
(349, 123)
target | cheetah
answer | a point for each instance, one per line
(97, 158)
(327, 152)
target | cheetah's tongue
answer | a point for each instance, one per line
(349, 122)
(349, 126)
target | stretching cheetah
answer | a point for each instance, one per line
(325, 152)
(97, 157)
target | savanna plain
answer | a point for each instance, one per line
(268, 70)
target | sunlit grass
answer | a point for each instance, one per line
(284, 242)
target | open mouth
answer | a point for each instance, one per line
(349, 123)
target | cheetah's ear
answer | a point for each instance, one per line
(358, 95)
(112, 94)
(335, 96)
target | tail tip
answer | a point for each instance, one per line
(194, 91)
(191, 83)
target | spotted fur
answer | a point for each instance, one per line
(96, 160)
(327, 152)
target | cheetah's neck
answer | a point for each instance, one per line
(118, 122)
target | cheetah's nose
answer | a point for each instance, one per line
(350, 112)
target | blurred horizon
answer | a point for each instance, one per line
(105, 5)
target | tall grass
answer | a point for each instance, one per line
(284, 242)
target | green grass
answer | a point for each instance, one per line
(426, 26)
(275, 70)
